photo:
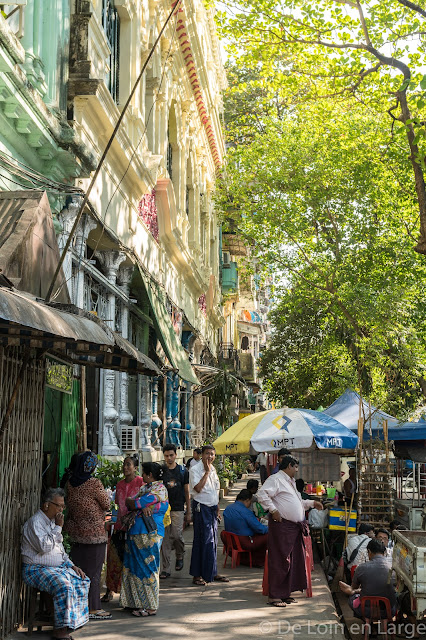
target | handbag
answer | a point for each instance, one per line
(149, 523)
(129, 520)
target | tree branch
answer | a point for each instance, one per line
(363, 23)
(412, 5)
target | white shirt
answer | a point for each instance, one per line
(353, 542)
(192, 462)
(42, 542)
(262, 459)
(209, 495)
(279, 492)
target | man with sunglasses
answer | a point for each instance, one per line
(47, 567)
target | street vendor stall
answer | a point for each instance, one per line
(316, 439)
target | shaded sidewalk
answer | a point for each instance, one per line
(222, 610)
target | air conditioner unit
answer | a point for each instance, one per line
(226, 258)
(129, 438)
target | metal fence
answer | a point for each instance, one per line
(21, 446)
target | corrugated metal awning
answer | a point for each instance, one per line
(69, 332)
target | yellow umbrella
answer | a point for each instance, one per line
(236, 439)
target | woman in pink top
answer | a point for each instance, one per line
(87, 503)
(126, 488)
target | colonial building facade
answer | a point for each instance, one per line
(146, 256)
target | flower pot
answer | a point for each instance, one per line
(224, 483)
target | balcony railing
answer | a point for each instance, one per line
(228, 355)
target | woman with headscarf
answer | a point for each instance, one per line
(141, 564)
(88, 503)
(126, 488)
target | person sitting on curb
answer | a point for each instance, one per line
(253, 535)
(371, 579)
(357, 544)
(383, 536)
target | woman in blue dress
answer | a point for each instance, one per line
(141, 565)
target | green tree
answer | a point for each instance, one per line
(325, 195)
(367, 53)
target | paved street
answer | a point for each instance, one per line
(227, 610)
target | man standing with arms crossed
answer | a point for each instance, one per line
(286, 532)
(176, 481)
(204, 490)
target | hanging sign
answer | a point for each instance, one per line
(59, 375)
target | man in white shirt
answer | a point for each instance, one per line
(287, 529)
(261, 462)
(47, 567)
(204, 490)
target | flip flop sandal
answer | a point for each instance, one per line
(164, 575)
(289, 600)
(199, 582)
(100, 615)
(221, 579)
(139, 613)
(277, 603)
(179, 564)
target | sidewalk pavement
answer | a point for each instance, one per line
(228, 611)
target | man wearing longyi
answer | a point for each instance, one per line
(287, 529)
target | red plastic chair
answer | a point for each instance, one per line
(233, 548)
(353, 570)
(378, 607)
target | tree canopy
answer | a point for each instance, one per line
(304, 52)
(324, 194)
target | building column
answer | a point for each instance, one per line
(169, 416)
(85, 226)
(67, 218)
(175, 424)
(155, 421)
(144, 393)
(126, 418)
(111, 261)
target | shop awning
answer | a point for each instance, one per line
(166, 334)
(69, 332)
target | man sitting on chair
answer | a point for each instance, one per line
(253, 535)
(371, 579)
(47, 567)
